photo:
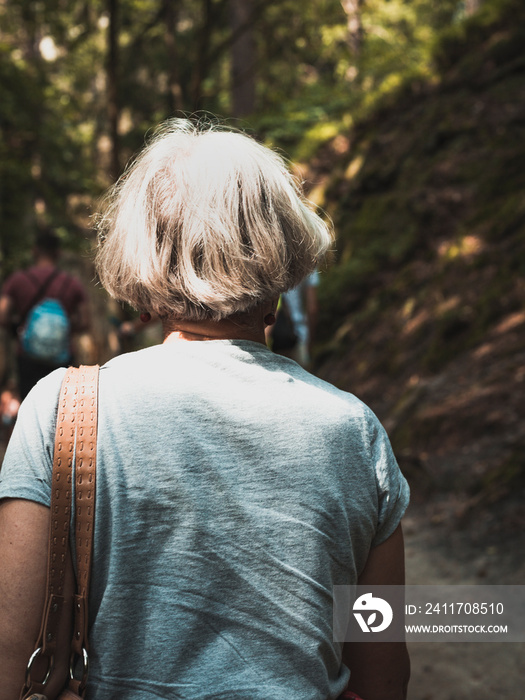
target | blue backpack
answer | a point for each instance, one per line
(45, 333)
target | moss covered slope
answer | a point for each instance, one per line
(423, 310)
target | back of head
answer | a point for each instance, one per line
(206, 223)
(47, 244)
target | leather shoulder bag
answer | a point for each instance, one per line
(74, 472)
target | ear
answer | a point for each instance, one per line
(269, 311)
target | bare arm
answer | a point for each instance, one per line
(6, 308)
(381, 670)
(24, 536)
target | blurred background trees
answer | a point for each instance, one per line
(82, 81)
(406, 120)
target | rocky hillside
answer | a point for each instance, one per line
(423, 308)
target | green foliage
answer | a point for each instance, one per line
(456, 42)
(317, 79)
(19, 101)
(44, 160)
(175, 58)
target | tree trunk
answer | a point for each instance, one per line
(112, 88)
(354, 26)
(203, 53)
(175, 97)
(243, 57)
(33, 57)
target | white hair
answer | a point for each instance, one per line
(206, 223)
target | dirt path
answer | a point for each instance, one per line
(437, 554)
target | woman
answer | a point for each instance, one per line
(234, 489)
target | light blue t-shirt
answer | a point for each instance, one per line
(234, 490)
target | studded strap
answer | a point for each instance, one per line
(85, 475)
(60, 508)
(74, 453)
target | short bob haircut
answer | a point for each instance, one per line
(206, 223)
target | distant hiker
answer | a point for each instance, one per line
(293, 332)
(43, 305)
(303, 309)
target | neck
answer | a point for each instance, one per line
(45, 261)
(248, 325)
(226, 329)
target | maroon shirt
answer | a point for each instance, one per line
(22, 286)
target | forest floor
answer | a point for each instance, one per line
(441, 549)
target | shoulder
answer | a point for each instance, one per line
(44, 395)
(69, 288)
(73, 280)
(351, 405)
(37, 414)
(75, 285)
(28, 463)
(14, 280)
(147, 365)
(367, 428)
(343, 402)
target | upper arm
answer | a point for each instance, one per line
(380, 670)
(6, 308)
(24, 534)
(385, 565)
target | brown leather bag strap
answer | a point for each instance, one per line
(85, 483)
(75, 442)
(61, 495)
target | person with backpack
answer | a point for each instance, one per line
(44, 306)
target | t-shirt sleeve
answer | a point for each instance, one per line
(28, 464)
(9, 286)
(392, 488)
